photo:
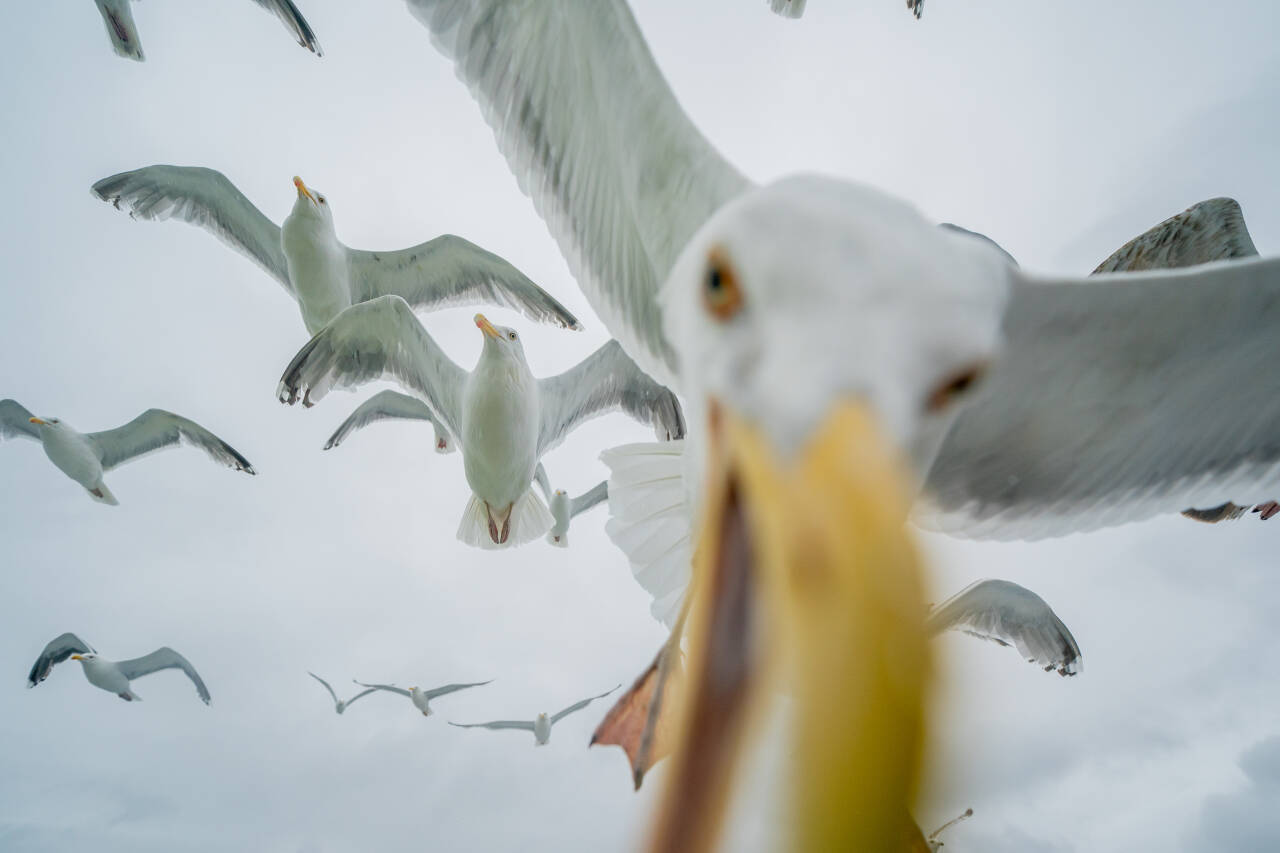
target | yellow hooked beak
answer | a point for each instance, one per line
(36, 421)
(77, 657)
(483, 324)
(805, 581)
(302, 189)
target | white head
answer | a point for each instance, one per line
(500, 341)
(85, 658)
(49, 425)
(310, 209)
(558, 535)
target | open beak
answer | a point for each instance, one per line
(77, 657)
(36, 421)
(483, 324)
(804, 581)
(302, 189)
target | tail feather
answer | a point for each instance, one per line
(483, 527)
(102, 495)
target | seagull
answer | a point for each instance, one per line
(389, 405)
(118, 17)
(316, 269)
(421, 698)
(827, 340)
(795, 8)
(85, 457)
(1010, 615)
(340, 705)
(111, 676)
(540, 725)
(503, 417)
(563, 508)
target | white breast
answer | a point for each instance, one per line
(499, 431)
(542, 729)
(106, 675)
(318, 271)
(73, 454)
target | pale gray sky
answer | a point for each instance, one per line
(1061, 130)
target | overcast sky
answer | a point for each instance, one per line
(1060, 130)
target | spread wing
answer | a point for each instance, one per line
(294, 23)
(588, 499)
(527, 725)
(606, 381)
(377, 339)
(359, 695)
(1118, 397)
(1010, 615)
(390, 688)
(450, 271)
(788, 8)
(452, 688)
(201, 197)
(121, 29)
(1212, 230)
(15, 421)
(59, 649)
(578, 706)
(326, 685)
(156, 429)
(596, 138)
(163, 658)
(385, 405)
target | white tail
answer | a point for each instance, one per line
(650, 521)
(102, 495)
(483, 527)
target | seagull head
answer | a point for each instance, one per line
(500, 341)
(829, 334)
(46, 424)
(311, 206)
(85, 657)
(558, 535)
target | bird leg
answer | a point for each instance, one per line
(1266, 510)
(500, 526)
(934, 843)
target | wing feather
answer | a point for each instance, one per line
(385, 405)
(15, 421)
(1010, 615)
(293, 22)
(156, 429)
(163, 658)
(453, 688)
(526, 725)
(58, 649)
(578, 706)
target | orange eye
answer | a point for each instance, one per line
(720, 291)
(955, 386)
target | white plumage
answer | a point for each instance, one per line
(540, 725)
(421, 699)
(112, 676)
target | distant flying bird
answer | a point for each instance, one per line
(111, 676)
(118, 18)
(305, 255)
(1011, 615)
(422, 698)
(85, 457)
(563, 508)
(541, 725)
(502, 416)
(340, 705)
(391, 405)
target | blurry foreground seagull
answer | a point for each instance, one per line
(541, 725)
(316, 269)
(503, 417)
(111, 676)
(340, 705)
(118, 17)
(391, 405)
(564, 508)
(85, 457)
(1011, 615)
(422, 698)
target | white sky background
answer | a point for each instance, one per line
(1061, 130)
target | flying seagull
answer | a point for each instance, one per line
(826, 338)
(316, 269)
(540, 725)
(391, 405)
(504, 418)
(340, 705)
(118, 17)
(1010, 615)
(111, 676)
(85, 457)
(563, 508)
(421, 698)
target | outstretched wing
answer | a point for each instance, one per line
(450, 271)
(15, 421)
(359, 695)
(1212, 230)
(121, 29)
(789, 8)
(385, 405)
(377, 339)
(156, 429)
(201, 197)
(326, 685)
(59, 649)
(451, 688)
(606, 381)
(527, 725)
(163, 658)
(1010, 615)
(597, 139)
(294, 23)
(1118, 397)
(390, 688)
(578, 706)
(588, 499)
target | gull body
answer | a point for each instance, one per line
(540, 725)
(317, 262)
(421, 699)
(340, 705)
(71, 453)
(111, 676)
(564, 509)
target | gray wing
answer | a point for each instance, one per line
(375, 340)
(452, 688)
(15, 421)
(540, 477)
(450, 271)
(326, 685)
(1117, 398)
(1212, 230)
(385, 405)
(578, 706)
(156, 429)
(790, 8)
(359, 695)
(527, 725)
(596, 138)
(1010, 615)
(951, 226)
(390, 688)
(606, 381)
(59, 649)
(163, 658)
(121, 29)
(293, 22)
(201, 197)
(588, 499)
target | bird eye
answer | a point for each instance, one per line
(511, 335)
(956, 385)
(320, 198)
(720, 292)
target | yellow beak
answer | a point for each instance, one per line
(302, 189)
(77, 657)
(485, 326)
(36, 421)
(804, 581)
